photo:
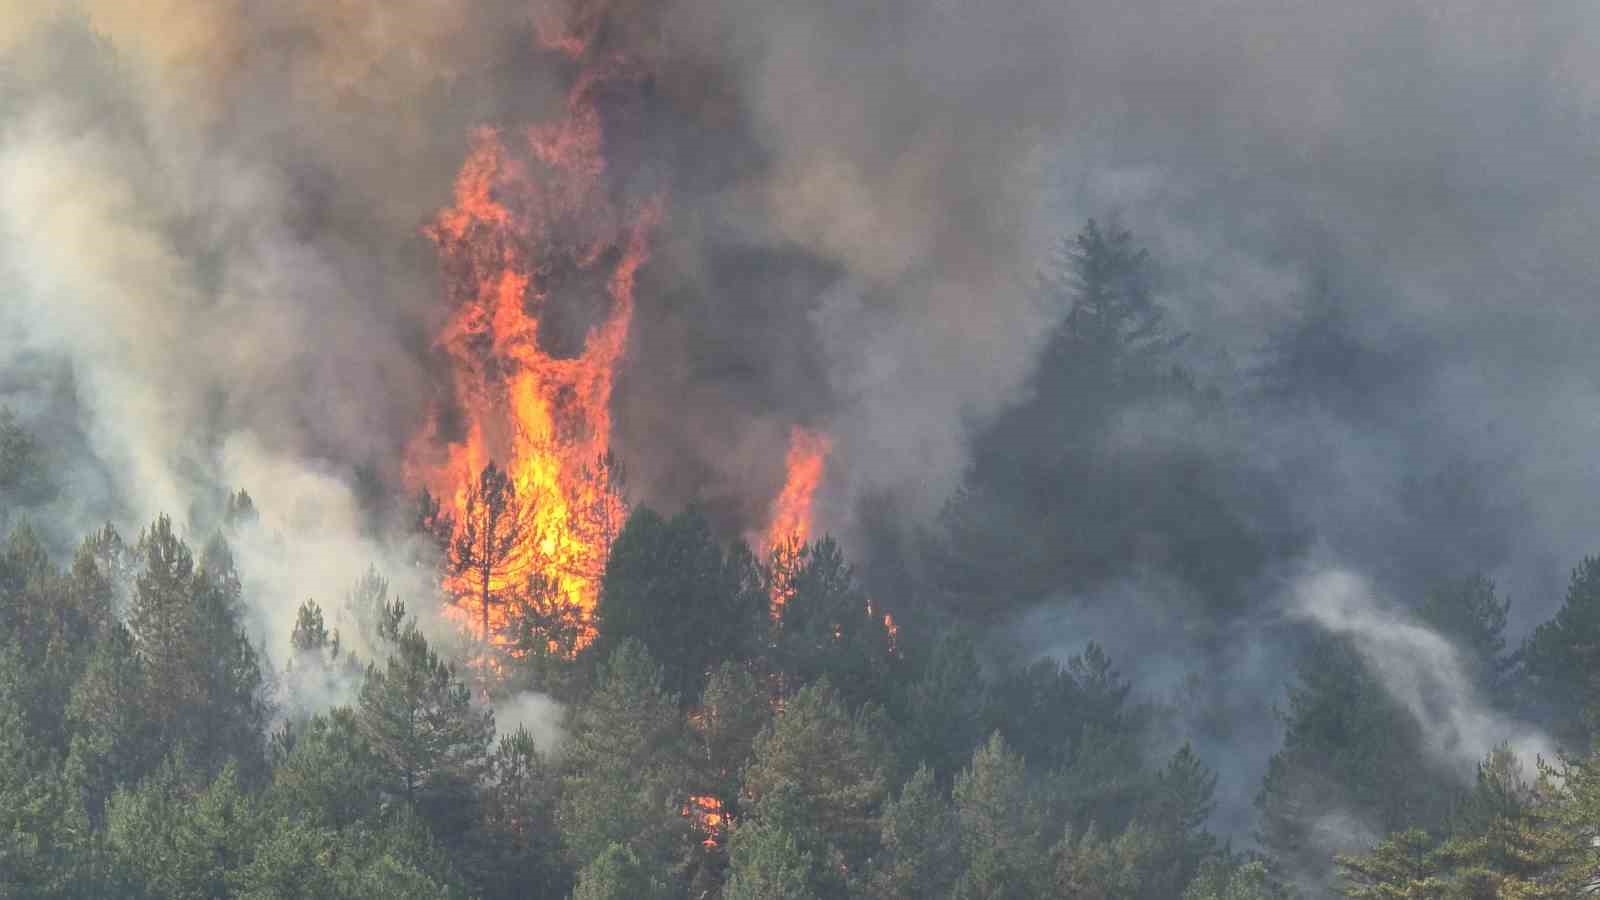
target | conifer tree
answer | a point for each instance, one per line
(1000, 823)
(430, 742)
(818, 768)
(496, 545)
(625, 768)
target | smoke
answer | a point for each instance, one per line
(248, 182)
(212, 275)
(1424, 674)
(540, 714)
(1215, 684)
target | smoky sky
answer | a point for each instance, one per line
(213, 270)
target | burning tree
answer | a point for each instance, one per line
(497, 542)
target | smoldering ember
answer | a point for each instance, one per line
(799, 449)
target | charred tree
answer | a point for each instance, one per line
(496, 543)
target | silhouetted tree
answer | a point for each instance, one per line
(670, 587)
(496, 543)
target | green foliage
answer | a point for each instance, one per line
(298, 861)
(1074, 723)
(540, 639)
(206, 684)
(516, 851)
(1561, 660)
(946, 707)
(45, 841)
(769, 863)
(1471, 615)
(173, 838)
(430, 743)
(1001, 825)
(625, 767)
(827, 627)
(1221, 879)
(819, 768)
(1350, 754)
(734, 709)
(1508, 839)
(618, 874)
(1061, 496)
(669, 586)
(325, 772)
(1098, 868)
(1112, 325)
(921, 850)
(1174, 814)
(310, 634)
(113, 739)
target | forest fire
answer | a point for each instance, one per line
(541, 253)
(706, 812)
(535, 222)
(789, 525)
(804, 466)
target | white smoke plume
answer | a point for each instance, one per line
(1422, 671)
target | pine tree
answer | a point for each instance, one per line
(516, 851)
(206, 684)
(619, 874)
(431, 743)
(670, 587)
(326, 773)
(1222, 879)
(819, 768)
(921, 853)
(770, 863)
(1470, 613)
(625, 768)
(173, 837)
(946, 707)
(827, 628)
(733, 710)
(1174, 814)
(1561, 660)
(113, 738)
(1348, 750)
(496, 542)
(1000, 822)
(45, 843)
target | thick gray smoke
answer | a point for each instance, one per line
(212, 273)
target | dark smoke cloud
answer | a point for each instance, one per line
(211, 268)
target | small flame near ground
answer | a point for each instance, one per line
(707, 814)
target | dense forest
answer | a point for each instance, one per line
(788, 725)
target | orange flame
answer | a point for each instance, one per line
(790, 524)
(535, 219)
(791, 511)
(707, 814)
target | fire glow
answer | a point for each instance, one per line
(804, 466)
(536, 221)
(535, 214)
